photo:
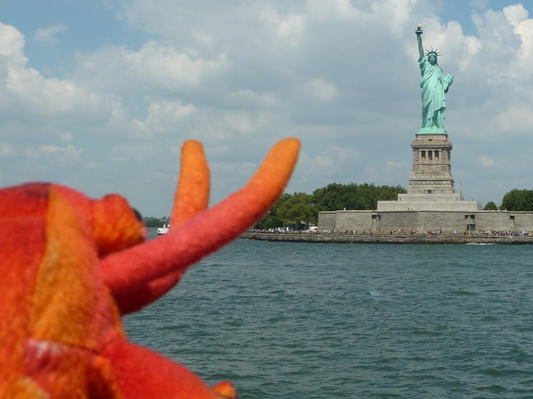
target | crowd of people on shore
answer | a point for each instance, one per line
(402, 232)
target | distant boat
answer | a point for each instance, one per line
(163, 230)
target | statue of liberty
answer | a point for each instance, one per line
(434, 86)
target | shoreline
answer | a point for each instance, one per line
(387, 238)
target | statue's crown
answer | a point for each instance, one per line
(433, 51)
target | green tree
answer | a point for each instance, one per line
(490, 206)
(518, 200)
(295, 209)
(303, 208)
(153, 222)
(353, 196)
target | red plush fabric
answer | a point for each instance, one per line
(141, 373)
(71, 265)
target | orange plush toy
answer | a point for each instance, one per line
(71, 265)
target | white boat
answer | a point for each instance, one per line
(163, 230)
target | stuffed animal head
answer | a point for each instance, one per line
(72, 265)
(116, 226)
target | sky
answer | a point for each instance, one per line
(100, 95)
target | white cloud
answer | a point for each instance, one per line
(53, 96)
(164, 117)
(391, 15)
(49, 35)
(485, 161)
(156, 68)
(515, 117)
(391, 173)
(239, 121)
(11, 43)
(138, 152)
(322, 90)
(27, 97)
(517, 15)
(332, 160)
(49, 150)
(251, 98)
(6, 150)
(66, 136)
(165, 66)
(289, 27)
(337, 9)
(396, 12)
(246, 122)
(392, 165)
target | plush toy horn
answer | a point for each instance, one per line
(192, 197)
(141, 274)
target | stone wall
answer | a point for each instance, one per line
(522, 221)
(494, 220)
(394, 221)
(422, 221)
(353, 220)
(448, 221)
(327, 220)
(418, 205)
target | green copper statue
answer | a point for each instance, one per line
(434, 86)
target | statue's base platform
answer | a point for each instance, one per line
(432, 130)
(429, 202)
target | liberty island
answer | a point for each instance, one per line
(431, 203)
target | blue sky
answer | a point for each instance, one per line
(100, 95)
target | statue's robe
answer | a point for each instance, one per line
(434, 85)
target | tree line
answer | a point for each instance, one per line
(514, 200)
(518, 200)
(301, 209)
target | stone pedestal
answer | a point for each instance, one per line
(429, 202)
(431, 183)
(431, 173)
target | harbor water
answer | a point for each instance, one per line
(304, 320)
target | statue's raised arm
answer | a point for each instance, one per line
(419, 32)
(434, 86)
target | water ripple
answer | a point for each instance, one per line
(352, 321)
